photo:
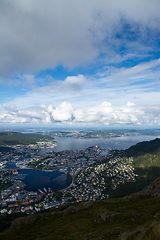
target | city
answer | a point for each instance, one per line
(89, 170)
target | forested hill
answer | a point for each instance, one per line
(13, 138)
(143, 148)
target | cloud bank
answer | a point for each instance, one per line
(104, 114)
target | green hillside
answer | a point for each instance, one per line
(13, 138)
(126, 172)
(142, 148)
(146, 161)
(134, 217)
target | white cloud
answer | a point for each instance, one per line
(12, 108)
(12, 115)
(61, 113)
(130, 104)
(140, 68)
(104, 114)
(36, 35)
(74, 83)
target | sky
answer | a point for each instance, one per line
(80, 63)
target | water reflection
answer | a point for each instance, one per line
(70, 143)
(43, 179)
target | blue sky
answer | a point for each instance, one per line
(80, 63)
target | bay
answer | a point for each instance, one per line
(120, 143)
(43, 179)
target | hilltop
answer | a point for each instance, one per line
(142, 148)
(14, 138)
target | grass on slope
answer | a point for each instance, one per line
(147, 167)
(152, 231)
(146, 161)
(144, 147)
(92, 220)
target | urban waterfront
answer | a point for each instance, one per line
(37, 180)
(42, 170)
(41, 180)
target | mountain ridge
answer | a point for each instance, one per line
(143, 147)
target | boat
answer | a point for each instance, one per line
(45, 189)
(40, 190)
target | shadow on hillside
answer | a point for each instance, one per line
(146, 176)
